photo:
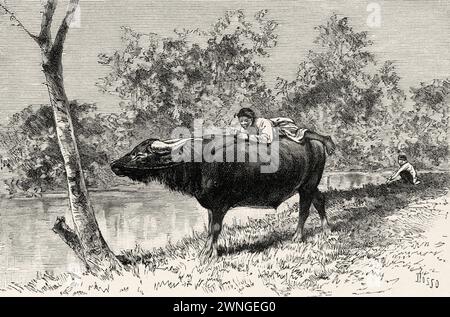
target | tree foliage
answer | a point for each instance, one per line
(34, 156)
(169, 81)
(424, 132)
(343, 90)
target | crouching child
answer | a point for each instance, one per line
(406, 172)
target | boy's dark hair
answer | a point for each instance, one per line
(246, 112)
(402, 157)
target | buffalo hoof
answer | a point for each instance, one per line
(208, 256)
(298, 237)
(326, 229)
(325, 226)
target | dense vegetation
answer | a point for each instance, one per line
(33, 154)
(340, 89)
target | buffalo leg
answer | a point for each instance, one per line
(306, 198)
(210, 219)
(215, 227)
(319, 203)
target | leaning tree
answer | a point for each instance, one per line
(85, 238)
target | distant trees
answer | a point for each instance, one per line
(424, 132)
(342, 90)
(167, 82)
(30, 141)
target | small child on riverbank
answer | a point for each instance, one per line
(406, 172)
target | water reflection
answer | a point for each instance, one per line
(150, 217)
(348, 180)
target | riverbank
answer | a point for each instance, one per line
(331, 180)
(384, 239)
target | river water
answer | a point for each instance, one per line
(149, 216)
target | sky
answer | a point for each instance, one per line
(414, 34)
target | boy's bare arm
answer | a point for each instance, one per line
(397, 174)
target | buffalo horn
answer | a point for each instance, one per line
(160, 146)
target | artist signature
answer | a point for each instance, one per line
(425, 278)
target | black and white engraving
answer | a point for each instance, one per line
(224, 148)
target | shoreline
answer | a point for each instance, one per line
(141, 188)
(381, 237)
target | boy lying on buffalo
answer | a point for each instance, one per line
(261, 130)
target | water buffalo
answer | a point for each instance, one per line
(220, 186)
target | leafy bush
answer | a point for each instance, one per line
(341, 91)
(208, 74)
(33, 152)
(425, 130)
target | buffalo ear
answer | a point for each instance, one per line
(148, 149)
(162, 153)
(139, 156)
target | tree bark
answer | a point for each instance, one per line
(94, 250)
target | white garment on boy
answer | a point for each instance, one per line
(264, 130)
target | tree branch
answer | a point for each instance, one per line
(58, 44)
(13, 17)
(45, 36)
(69, 237)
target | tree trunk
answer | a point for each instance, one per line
(87, 240)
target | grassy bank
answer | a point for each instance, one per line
(381, 237)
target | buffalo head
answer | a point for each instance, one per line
(149, 156)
